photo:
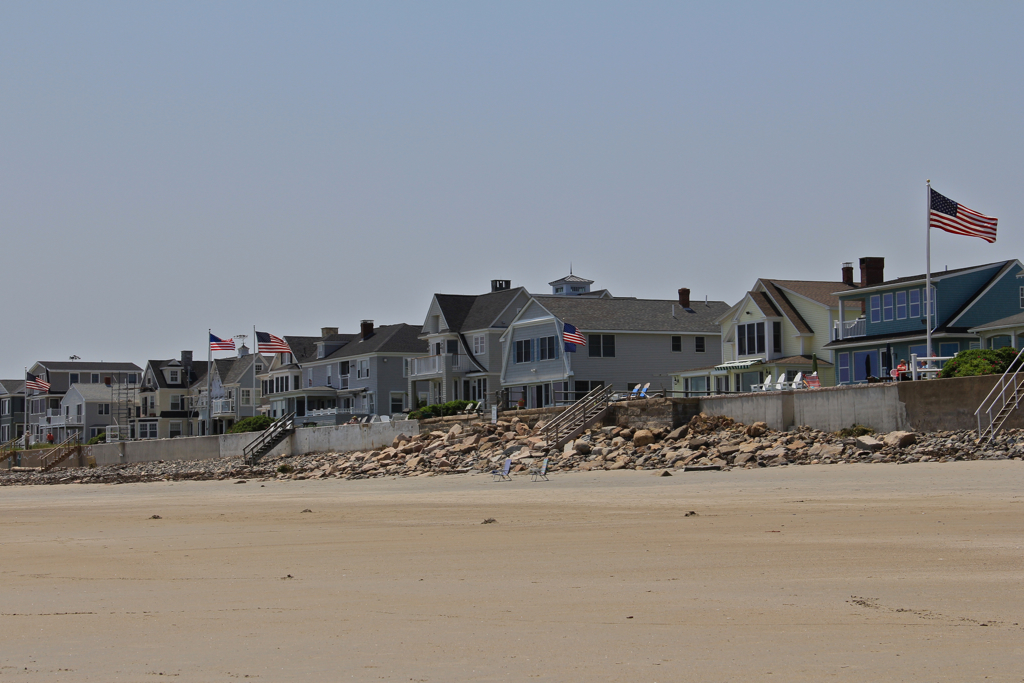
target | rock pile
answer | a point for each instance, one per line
(707, 442)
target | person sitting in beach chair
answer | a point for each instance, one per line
(503, 473)
(541, 472)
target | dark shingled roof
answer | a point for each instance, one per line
(198, 370)
(936, 275)
(798, 360)
(780, 298)
(399, 338)
(647, 315)
(465, 312)
(12, 386)
(763, 302)
(571, 278)
(303, 348)
(824, 292)
(79, 366)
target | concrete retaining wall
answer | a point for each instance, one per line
(334, 438)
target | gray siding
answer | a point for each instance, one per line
(536, 371)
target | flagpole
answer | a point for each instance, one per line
(928, 273)
(209, 373)
(252, 392)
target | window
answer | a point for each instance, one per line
(309, 377)
(397, 402)
(559, 290)
(524, 350)
(915, 303)
(777, 336)
(1022, 297)
(371, 407)
(751, 338)
(174, 377)
(329, 369)
(584, 388)
(699, 344)
(576, 289)
(876, 309)
(975, 345)
(103, 409)
(73, 377)
(601, 346)
(147, 430)
(286, 358)
(176, 402)
(547, 348)
(246, 397)
(405, 367)
(935, 296)
(363, 368)
(480, 340)
(344, 372)
(865, 364)
(95, 378)
(901, 305)
(844, 368)
(677, 344)
(175, 429)
(5, 407)
(887, 306)
(78, 409)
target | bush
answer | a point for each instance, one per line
(99, 438)
(285, 469)
(975, 362)
(251, 424)
(855, 430)
(439, 410)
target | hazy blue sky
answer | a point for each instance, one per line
(169, 167)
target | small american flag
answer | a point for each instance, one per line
(218, 344)
(268, 343)
(571, 335)
(945, 214)
(33, 382)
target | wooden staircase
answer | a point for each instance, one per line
(571, 422)
(1004, 398)
(8, 450)
(61, 452)
(265, 442)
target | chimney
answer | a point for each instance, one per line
(186, 365)
(326, 332)
(366, 329)
(684, 297)
(871, 271)
(848, 273)
(500, 285)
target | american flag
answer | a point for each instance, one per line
(268, 343)
(571, 335)
(33, 382)
(218, 344)
(956, 218)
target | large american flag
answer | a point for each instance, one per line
(571, 335)
(956, 218)
(268, 343)
(218, 344)
(37, 383)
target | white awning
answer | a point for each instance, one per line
(739, 364)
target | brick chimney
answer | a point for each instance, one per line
(684, 297)
(326, 332)
(366, 329)
(848, 273)
(872, 271)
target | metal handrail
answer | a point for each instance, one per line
(1002, 385)
(577, 414)
(9, 450)
(268, 435)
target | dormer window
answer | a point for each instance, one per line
(175, 377)
(559, 290)
(319, 350)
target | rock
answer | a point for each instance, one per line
(414, 462)
(522, 429)
(455, 430)
(398, 440)
(582, 447)
(742, 458)
(757, 429)
(678, 433)
(663, 473)
(725, 451)
(868, 443)
(696, 443)
(899, 439)
(642, 438)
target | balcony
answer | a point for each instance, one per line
(426, 365)
(851, 328)
(223, 406)
(321, 412)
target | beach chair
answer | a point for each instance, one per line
(636, 392)
(762, 387)
(782, 383)
(643, 391)
(385, 418)
(503, 473)
(798, 381)
(469, 409)
(539, 473)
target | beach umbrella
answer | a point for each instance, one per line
(814, 364)
(887, 365)
(867, 365)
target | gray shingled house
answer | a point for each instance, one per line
(45, 415)
(12, 409)
(167, 407)
(628, 342)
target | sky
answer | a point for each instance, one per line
(166, 168)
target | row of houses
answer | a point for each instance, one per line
(509, 347)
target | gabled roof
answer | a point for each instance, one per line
(936, 276)
(466, 312)
(303, 348)
(764, 303)
(823, 292)
(12, 386)
(572, 279)
(399, 338)
(981, 292)
(1010, 321)
(780, 298)
(79, 366)
(96, 392)
(198, 370)
(641, 315)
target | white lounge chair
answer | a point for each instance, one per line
(766, 386)
(782, 383)
(798, 381)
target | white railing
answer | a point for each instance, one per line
(222, 406)
(54, 412)
(320, 412)
(921, 368)
(851, 328)
(426, 365)
(1004, 398)
(198, 401)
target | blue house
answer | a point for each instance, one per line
(891, 326)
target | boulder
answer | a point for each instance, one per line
(900, 439)
(757, 429)
(868, 443)
(678, 433)
(397, 441)
(642, 438)
(582, 447)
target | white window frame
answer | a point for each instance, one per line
(480, 340)
(171, 429)
(903, 295)
(363, 368)
(875, 308)
(246, 397)
(175, 376)
(843, 363)
(888, 307)
(911, 304)
(330, 368)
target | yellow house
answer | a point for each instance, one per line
(778, 328)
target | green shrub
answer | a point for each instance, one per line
(855, 430)
(973, 362)
(251, 424)
(285, 468)
(99, 438)
(439, 410)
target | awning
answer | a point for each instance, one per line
(739, 364)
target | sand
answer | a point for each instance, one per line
(814, 573)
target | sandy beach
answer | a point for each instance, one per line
(842, 572)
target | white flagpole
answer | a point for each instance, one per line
(928, 273)
(209, 374)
